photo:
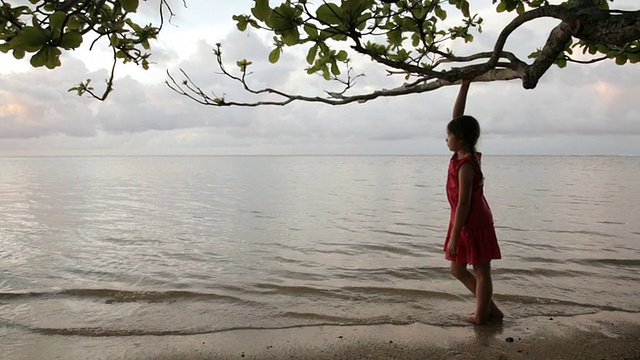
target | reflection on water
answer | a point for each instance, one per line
(167, 245)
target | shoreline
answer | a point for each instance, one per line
(604, 335)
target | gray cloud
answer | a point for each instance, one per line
(34, 104)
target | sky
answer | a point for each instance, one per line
(579, 110)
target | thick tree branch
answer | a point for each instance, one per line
(556, 43)
(558, 12)
(607, 27)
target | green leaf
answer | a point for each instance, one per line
(415, 40)
(335, 70)
(261, 10)
(254, 23)
(561, 62)
(501, 7)
(53, 57)
(274, 55)
(330, 13)
(134, 26)
(56, 20)
(621, 59)
(534, 54)
(342, 56)
(312, 70)
(40, 58)
(284, 21)
(71, 40)
(243, 64)
(242, 22)
(312, 31)
(74, 23)
(291, 37)
(394, 37)
(465, 8)
(129, 5)
(18, 53)
(440, 13)
(115, 40)
(325, 72)
(513, 4)
(311, 55)
(324, 49)
(30, 39)
(362, 21)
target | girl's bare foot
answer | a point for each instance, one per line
(473, 319)
(496, 315)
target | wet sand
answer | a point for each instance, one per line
(606, 335)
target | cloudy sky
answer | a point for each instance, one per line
(581, 109)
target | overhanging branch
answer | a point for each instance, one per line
(489, 66)
(189, 89)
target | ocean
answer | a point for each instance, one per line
(125, 246)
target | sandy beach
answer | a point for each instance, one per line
(605, 335)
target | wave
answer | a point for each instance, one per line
(112, 296)
(537, 272)
(370, 293)
(557, 231)
(429, 311)
(106, 332)
(610, 262)
(384, 249)
(535, 300)
(322, 321)
(544, 260)
(123, 296)
(579, 232)
(395, 233)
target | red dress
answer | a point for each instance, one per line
(478, 241)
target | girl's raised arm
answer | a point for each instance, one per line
(461, 100)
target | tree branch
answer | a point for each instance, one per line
(188, 88)
(573, 23)
(558, 12)
(556, 43)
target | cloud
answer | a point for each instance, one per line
(577, 100)
(33, 104)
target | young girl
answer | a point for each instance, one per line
(471, 238)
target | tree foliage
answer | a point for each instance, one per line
(42, 30)
(410, 38)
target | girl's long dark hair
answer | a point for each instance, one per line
(467, 129)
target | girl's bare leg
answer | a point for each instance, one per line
(484, 290)
(478, 283)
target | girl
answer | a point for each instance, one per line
(471, 238)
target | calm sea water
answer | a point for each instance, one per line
(106, 246)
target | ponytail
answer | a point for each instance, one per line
(474, 157)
